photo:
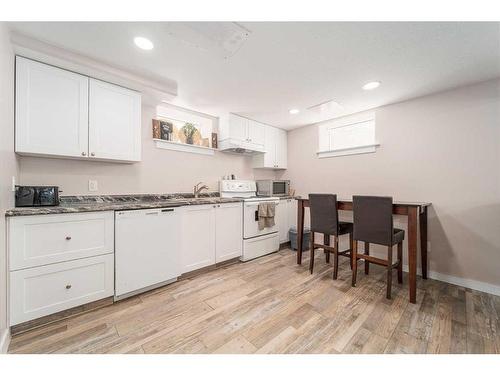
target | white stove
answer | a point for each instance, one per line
(256, 242)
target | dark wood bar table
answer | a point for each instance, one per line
(416, 213)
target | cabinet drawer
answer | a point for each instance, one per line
(47, 239)
(40, 291)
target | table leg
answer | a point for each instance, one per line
(412, 252)
(423, 241)
(300, 229)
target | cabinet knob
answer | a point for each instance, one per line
(68, 238)
(84, 153)
(68, 286)
(92, 154)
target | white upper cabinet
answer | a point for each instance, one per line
(51, 110)
(237, 128)
(114, 122)
(281, 149)
(239, 132)
(65, 114)
(256, 133)
(275, 156)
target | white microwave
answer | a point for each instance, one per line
(273, 188)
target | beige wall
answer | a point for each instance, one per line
(8, 163)
(443, 148)
(160, 171)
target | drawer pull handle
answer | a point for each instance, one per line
(68, 286)
(68, 238)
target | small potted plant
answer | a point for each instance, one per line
(189, 131)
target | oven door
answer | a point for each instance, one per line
(251, 220)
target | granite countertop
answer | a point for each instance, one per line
(91, 203)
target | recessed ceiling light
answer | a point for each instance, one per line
(294, 111)
(143, 43)
(371, 85)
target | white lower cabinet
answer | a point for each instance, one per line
(44, 290)
(59, 261)
(287, 217)
(228, 231)
(198, 237)
(282, 215)
(211, 234)
(45, 239)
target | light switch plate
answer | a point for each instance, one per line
(93, 185)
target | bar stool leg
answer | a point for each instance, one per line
(354, 262)
(367, 252)
(351, 245)
(389, 272)
(311, 254)
(335, 257)
(326, 241)
(400, 260)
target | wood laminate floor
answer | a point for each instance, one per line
(272, 305)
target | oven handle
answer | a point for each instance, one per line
(257, 203)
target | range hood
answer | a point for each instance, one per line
(237, 146)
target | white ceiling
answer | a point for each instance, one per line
(293, 65)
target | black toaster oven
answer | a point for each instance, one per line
(33, 196)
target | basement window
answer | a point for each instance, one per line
(347, 136)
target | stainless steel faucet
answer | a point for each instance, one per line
(197, 189)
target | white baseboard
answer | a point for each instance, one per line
(4, 340)
(467, 283)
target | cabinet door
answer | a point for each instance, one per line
(256, 133)
(114, 122)
(45, 239)
(292, 212)
(51, 110)
(228, 231)
(238, 128)
(40, 291)
(282, 214)
(198, 237)
(281, 149)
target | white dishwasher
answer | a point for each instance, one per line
(147, 249)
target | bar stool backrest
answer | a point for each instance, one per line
(373, 222)
(324, 215)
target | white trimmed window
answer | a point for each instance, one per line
(347, 136)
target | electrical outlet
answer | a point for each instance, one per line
(93, 185)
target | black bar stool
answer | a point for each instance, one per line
(324, 219)
(373, 223)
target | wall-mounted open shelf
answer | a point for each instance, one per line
(183, 147)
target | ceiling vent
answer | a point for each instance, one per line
(326, 108)
(222, 38)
